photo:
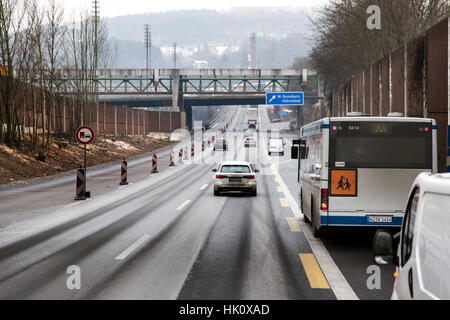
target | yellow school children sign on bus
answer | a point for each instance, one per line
(344, 183)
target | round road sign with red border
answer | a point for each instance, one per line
(84, 135)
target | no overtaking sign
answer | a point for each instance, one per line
(85, 135)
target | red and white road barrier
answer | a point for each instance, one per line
(124, 173)
(186, 153)
(209, 143)
(80, 193)
(180, 155)
(172, 163)
(203, 145)
(192, 151)
(155, 164)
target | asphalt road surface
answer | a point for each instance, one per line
(166, 236)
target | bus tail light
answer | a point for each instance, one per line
(324, 199)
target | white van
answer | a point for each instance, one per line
(276, 145)
(423, 254)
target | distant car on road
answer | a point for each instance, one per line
(276, 145)
(421, 250)
(220, 145)
(235, 176)
(249, 142)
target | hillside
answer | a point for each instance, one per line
(220, 38)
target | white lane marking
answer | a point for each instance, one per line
(73, 204)
(288, 142)
(204, 187)
(341, 288)
(292, 203)
(133, 247)
(77, 203)
(183, 205)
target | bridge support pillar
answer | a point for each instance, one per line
(175, 89)
(189, 120)
(300, 116)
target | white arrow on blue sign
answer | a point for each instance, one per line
(285, 98)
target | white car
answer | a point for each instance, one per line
(423, 245)
(235, 176)
(276, 145)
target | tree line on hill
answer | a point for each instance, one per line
(344, 44)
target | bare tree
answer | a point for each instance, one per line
(35, 45)
(54, 34)
(85, 49)
(344, 45)
(301, 63)
(12, 16)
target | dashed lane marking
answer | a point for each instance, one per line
(204, 187)
(183, 205)
(133, 247)
(312, 269)
(284, 202)
(341, 288)
(293, 224)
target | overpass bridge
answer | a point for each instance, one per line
(181, 89)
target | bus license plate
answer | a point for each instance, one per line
(380, 219)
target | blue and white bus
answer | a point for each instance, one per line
(358, 171)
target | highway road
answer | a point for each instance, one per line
(166, 236)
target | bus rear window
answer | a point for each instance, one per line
(381, 145)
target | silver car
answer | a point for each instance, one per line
(235, 176)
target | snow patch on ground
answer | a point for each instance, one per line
(121, 145)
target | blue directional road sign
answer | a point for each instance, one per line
(285, 98)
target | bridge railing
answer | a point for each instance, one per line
(191, 81)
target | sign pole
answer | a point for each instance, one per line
(88, 194)
(85, 135)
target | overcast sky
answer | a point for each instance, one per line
(112, 8)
